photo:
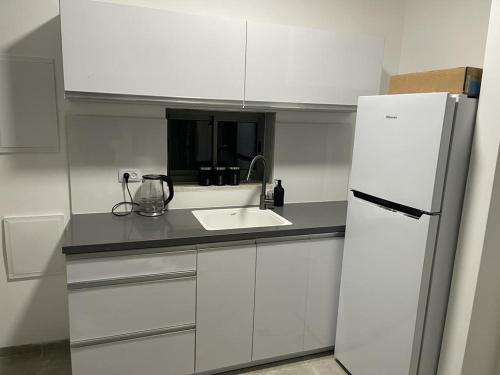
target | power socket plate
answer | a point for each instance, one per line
(135, 174)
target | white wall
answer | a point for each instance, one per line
(472, 335)
(443, 34)
(98, 146)
(31, 184)
(314, 158)
(482, 352)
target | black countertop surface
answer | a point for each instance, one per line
(91, 233)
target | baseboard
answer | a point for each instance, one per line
(289, 358)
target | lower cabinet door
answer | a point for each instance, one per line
(225, 302)
(325, 263)
(123, 308)
(280, 298)
(164, 354)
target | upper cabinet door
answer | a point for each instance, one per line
(128, 50)
(299, 65)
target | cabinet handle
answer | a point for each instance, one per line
(218, 245)
(133, 335)
(148, 251)
(301, 237)
(131, 279)
(327, 235)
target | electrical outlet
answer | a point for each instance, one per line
(135, 175)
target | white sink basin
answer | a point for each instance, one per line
(233, 218)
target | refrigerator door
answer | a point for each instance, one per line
(384, 284)
(401, 147)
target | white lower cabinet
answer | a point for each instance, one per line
(296, 296)
(323, 287)
(280, 298)
(225, 301)
(224, 306)
(110, 310)
(132, 313)
(165, 354)
(179, 259)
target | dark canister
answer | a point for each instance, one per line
(219, 176)
(204, 176)
(233, 176)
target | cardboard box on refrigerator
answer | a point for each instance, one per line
(465, 80)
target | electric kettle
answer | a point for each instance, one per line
(152, 199)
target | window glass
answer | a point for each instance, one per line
(237, 143)
(189, 147)
(200, 138)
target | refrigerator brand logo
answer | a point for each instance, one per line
(391, 117)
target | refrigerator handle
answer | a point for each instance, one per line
(411, 212)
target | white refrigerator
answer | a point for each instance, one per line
(409, 170)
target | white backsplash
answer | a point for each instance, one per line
(312, 157)
(98, 146)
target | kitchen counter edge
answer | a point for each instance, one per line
(326, 218)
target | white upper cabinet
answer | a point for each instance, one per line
(288, 64)
(129, 50)
(154, 54)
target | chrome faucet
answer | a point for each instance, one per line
(263, 203)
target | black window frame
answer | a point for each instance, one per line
(265, 139)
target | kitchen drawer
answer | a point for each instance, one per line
(163, 354)
(109, 310)
(97, 267)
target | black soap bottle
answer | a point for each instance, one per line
(279, 195)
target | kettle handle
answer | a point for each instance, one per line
(170, 185)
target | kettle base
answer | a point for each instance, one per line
(151, 214)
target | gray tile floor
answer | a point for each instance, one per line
(50, 359)
(54, 359)
(322, 365)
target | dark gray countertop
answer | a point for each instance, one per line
(88, 233)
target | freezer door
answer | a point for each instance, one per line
(401, 148)
(384, 285)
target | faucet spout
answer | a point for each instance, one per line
(262, 201)
(252, 163)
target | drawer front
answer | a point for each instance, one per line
(122, 266)
(165, 354)
(124, 308)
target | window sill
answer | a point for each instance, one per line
(193, 187)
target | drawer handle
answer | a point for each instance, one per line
(327, 235)
(133, 335)
(131, 279)
(110, 254)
